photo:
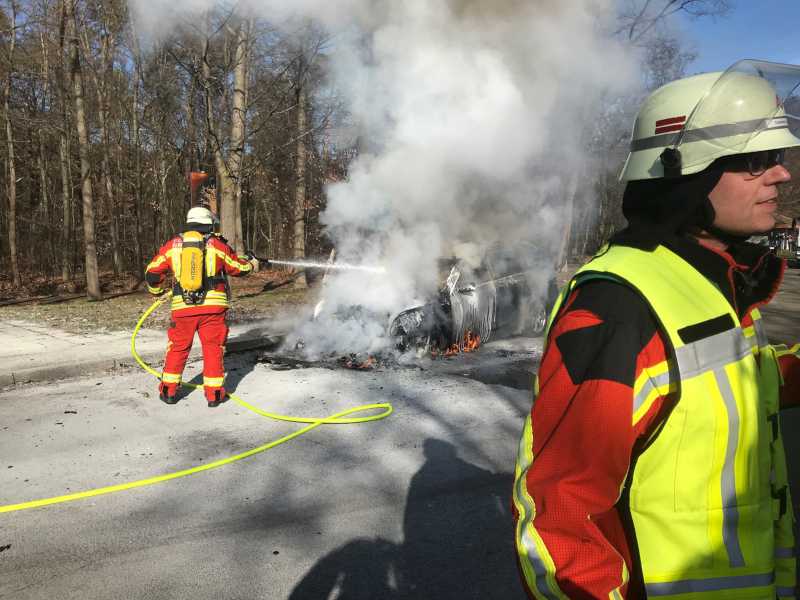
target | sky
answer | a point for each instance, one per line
(764, 29)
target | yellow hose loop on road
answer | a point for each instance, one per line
(335, 419)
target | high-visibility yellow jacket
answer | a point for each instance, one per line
(708, 495)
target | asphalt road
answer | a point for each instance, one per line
(414, 506)
(782, 315)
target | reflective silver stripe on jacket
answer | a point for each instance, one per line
(649, 386)
(713, 354)
(715, 584)
(730, 510)
(528, 542)
(761, 333)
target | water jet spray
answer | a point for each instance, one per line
(307, 264)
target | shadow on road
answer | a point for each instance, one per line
(238, 367)
(235, 371)
(457, 541)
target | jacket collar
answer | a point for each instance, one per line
(748, 275)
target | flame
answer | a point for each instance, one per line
(470, 343)
(363, 365)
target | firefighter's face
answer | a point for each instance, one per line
(745, 204)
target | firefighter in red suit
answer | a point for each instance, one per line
(202, 311)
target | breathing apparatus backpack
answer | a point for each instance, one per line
(192, 277)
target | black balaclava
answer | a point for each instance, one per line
(661, 209)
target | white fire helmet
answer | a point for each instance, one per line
(686, 125)
(200, 214)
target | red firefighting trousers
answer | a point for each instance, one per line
(213, 332)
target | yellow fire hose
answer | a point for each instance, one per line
(312, 423)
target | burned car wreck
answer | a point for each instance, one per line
(505, 292)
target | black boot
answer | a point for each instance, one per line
(219, 398)
(166, 398)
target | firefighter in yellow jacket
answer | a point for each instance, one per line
(200, 261)
(651, 464)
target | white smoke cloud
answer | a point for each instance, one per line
(474, 114)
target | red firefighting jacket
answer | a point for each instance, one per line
(217, 297)
(602, 340)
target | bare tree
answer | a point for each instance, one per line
(102, 74)
(64, 150)
(80, 92)
(212, 131)
(11, 169)
(137, 151)
(639, 17)
(665, 60)
(76, 76)
(299, 246)
(310, 45)
(232, 194)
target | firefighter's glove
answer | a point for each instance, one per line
(251, 258)
(156, 291)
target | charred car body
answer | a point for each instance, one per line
(506, 292)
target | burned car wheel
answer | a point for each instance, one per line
(415, 328)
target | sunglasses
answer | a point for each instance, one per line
(755, 163)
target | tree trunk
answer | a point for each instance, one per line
(212, 134)
(76, 77)
(192, 163)
(276, 230)
(299, 230)
(47, 198)
(232, 198)
(75, 255)
(41, 164)
(107, 185)
(66, 199)
(12, 169)
(101, 86)
(163, 198)
(137, 150)
(64, 154)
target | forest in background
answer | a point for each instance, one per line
(100, 132)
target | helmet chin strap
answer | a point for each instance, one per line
(672, 162)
